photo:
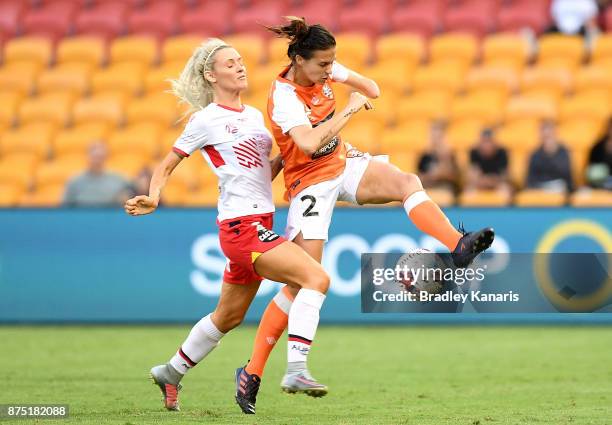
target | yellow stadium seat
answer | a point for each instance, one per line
(539, 198)
(426, 104)
(520, 135)
(392, 76)
(174, 194)
(353, 50)
(555, 79)
(384, 109)
(589, 198)
(206, 197)
(60, 171)
(461, 47)
(491, 78)
(406, 47)
(578, 161)
(101, 109)
(34, 138)
(169, 137)
(364, 135)
(9, 194)
(439, 77)
(127, 164)
(277, 51)
(602, 50)
(442, 197)
(156, 108)
(157, 79)
(561, 49)
(260, 80)
(484, 198)
(47, 196)
(81, 49)
(505, 49)
(142, 139)
(521, 107)
(122, 77)
(518, 165)
(594, 77)
(134, 49)
(53, 107)
(251, 47)
(405, 161)
(180, 48)
(486, 107)
(190, 172)
(72, 77)
(410, 136)
(9, 102)
(18, 77)
(17, 169)
(580, 133)
(77, 139)
(590, 105)
(28, 49)
(464, 134)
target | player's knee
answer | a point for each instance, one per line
(318, 280)
(411, 183)
(227, 320)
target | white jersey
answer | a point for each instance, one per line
(236, 145)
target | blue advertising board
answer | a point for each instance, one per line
(104, 266)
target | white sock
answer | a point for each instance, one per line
(202, 339)
(415, 199)
(303, 322)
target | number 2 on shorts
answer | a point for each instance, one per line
(309, 212)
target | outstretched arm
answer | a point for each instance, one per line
(363, 85)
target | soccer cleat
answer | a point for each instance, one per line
(247, 387)
(303, 382)
(159, 375)
(471, 244)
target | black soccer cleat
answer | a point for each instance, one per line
(247, 387)
(470, 245)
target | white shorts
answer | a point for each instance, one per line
(310, 211)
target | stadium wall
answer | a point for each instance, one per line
(102, 266)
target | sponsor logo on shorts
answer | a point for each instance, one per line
(326, 149)
(353, 153)
(265, 235)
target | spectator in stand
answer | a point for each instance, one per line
(488, 165)
(599, 171)
(549, 165)
(574, 17)
(97, 187)
(438, 166)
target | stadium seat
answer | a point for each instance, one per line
(519, 135)
(475, 17)
(602, 49)
(400, 47)
(208, 18)
(134, 49)
(51, 20)
(518, 165)
(278, 191)
(587, 105)
(77, 139)
(444, 198)
(418, 17)
(100, 109)
(594, 77)
(122, 77)
(159, 108)
(440, 77)
(47, 196)
(206, 197)
(408, 137)
(517, 15)
(28, 49)
(488, 107)
(260, 80)
(175, 194)
(72, 78)
(142, 138)
(11, 14)
(505, 50)
(591, 198)
(9, 102)
(539, 198)
(129, 165)
(364, 16)
(19, 77)
(425, 104)
(17, 169)
(520, 107)
(189, 172)
(277, 52)
(385, 107)
(392, 77)
(405, 161)
(251, 47)
(324, 12)
(459, 47)
(253, 15)
(498, 80)
(156, 79)
(554, 80)
(34, 138)
(59, 171)
(180, 48)
(484, 198)
(9, 194)
(364, 135)
(353, 50)
(463, 134)
(54, 108)
(106, 19)
(157, 19)
(83, 49)
(580, 133)
(561, 50)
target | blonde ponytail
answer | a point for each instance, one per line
(191, 87)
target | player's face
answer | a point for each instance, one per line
(317, 69)
(229, 71)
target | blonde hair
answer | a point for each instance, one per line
(192, 87)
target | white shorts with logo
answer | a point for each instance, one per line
(310, 211)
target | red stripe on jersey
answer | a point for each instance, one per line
(214, 155)
(180, 152)
(229, 108)
(246, 151)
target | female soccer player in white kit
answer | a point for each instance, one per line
(235, 144)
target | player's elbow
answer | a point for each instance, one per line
(373, 91)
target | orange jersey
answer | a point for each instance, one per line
(291, 105)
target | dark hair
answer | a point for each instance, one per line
(304, 39)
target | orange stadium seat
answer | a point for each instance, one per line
(134, 49)
(392, 76)
(34, 138)
(426, 104)
(174, 194)
(539, 198)
(578, 161)
(9, 194)
(50, 195)
(19, 77)
(463, 134)
(260, 80)
(18, 168)
(59, 171)
(520, 107)
(77, 139)
(156, 79)
(505, 50)
(403, 47)
(277, 51)
(127, 164)
(53, 107)
(602, 49)
(405, 161)
(251, 47)
(441, 76)
(556, 80)
(168, 138)
(459, 47)
(9, 103)
(122, 77)
(384, 108)
(72, 78)
(487, 107)
(444, 198)
(158, 108)
(408, 137)
(278, 191)
(484, 198)
(520, 135)
(364, 135)
(81, 49)
(589, 198)
(493, 79)
(594, 77)
(180, 47)
(142, 138)
(102, 108)
(590, 105)
(580, 133)
(206, 197)
(560, 49)
(28, 49)
(518, 165)
(190, 172)
(353, 50)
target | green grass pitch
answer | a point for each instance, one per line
(377, 375)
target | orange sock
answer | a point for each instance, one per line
(272, 325)
(429, 218)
